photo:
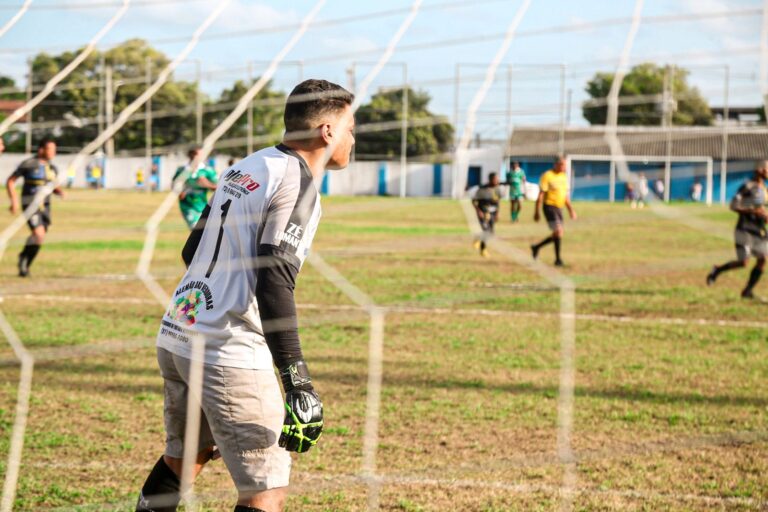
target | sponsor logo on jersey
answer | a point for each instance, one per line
(292, 235)
(242, 180)
(186, 306)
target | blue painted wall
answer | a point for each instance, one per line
(592, 179)
(437, 179)
(383, 178)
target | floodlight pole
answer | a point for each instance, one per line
(726, 118)
(28, 142)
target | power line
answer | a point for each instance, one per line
(288, 27)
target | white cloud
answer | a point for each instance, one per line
(723, 29)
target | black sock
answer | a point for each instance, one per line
(161, 490)
(754, 277)
(544, 242)
(29, 252)
(482, 245)
(557, 248)
(727, 266)
(243, 508)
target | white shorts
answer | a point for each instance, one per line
(242, 414)
(748, 244)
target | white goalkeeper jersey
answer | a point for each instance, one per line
(268, 198)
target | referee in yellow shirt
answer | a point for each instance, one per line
(553, 195)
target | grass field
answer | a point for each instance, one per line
(670, 412)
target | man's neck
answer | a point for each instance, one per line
(314, 157)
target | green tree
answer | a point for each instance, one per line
(648, 80)
(267, 118)
(78, 96)
(431, 141)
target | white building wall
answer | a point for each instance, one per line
(360, 178)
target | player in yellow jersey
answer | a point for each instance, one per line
(553, 196)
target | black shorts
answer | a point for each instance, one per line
(40, 218)
(554, 216)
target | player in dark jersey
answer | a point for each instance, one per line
(36, 172)
(486, 203)
(750, 236)
(242, 260)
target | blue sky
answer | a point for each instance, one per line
(703, 46)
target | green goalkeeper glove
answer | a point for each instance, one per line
(303, 422)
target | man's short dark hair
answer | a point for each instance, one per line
(44, 142)
(310, 101)
(491, 176)
(191, 152)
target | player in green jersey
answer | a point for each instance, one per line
(516, 181)
(194, 196)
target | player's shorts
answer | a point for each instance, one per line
(749, 244)
(40, 218)
(488, 219)
(515, 193)
(242, 414)
(554, 216)
(191, 216)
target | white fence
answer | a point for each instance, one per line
(359, 178)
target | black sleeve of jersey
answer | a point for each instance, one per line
(275, 281)
(188, 252)
(22, 170)
(744, 192)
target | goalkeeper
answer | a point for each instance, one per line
(237, 296)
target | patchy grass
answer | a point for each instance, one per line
(670, 413)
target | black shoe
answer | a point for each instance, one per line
(712, 276)
(23, 267)
(559, 263)
(534, 251)
(747, 294)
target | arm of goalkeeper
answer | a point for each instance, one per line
(275, 282)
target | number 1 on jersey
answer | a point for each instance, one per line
(224, 211)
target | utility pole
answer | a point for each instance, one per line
(28, 143)
(669, 99)
(561, 137)
(726, 118)
(508, 134)
(456, 92)
(100, 113)
(250, 111)
(109, 108)
(148, 118)
(198, 105)
(404, 134)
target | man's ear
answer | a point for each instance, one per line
(326, 133)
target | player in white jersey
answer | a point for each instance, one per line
(237, 295)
